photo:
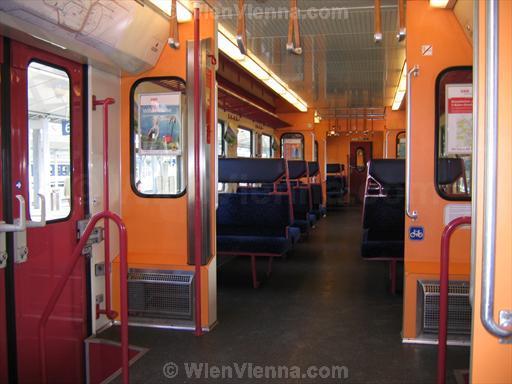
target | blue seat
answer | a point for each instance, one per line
(384, 213)
(255, 225)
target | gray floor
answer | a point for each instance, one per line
(323, 306)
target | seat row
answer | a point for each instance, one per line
(274, 203)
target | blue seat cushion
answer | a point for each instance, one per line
(253, 244)
(312, 219)
(294, 234)
(303, 225)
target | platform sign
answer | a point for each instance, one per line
(416, 233)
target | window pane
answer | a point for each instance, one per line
(49, 136)
(266, 146)
(158, 138)
(244, 143)
(292, 146)
(220, 138)
(454, 133)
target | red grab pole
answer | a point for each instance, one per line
(198, 240)
(443, 295)
(106, 205)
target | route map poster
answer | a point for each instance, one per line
(160, 123)
(459, 119)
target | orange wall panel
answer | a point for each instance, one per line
(440, 28)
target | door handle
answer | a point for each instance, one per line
(412, 214)
(42, 222)
(19, 224)
(503, 330)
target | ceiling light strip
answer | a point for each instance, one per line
(401, 89)
(259, 70)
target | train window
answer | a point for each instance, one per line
(266, 146)
(221, 130)
(454, 133)
(360, 163)
(292, 146)
(400, 145)
(49, 141)
(157, 137)
(244, 143)
(315, 152)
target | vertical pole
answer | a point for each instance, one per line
(198, 246)
(123, 272)
(106, 204)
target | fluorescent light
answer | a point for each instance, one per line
(275, 86)
(50, 42)
(254, 68)
(229, 48)
(401, 89)
(183, 14)
(258, 69)
(442, 3)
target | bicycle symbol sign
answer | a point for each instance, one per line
(416, 233)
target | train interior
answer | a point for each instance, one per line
(255, 190)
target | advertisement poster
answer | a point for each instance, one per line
(459, 119)
(160, 123)
(292, 149)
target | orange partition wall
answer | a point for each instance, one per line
(158, 227)
(491, 361)
(439, 28)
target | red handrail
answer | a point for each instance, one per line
(443, 294)
(57, 292)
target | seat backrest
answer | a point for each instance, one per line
(313, 168)
(384, 216)
(389, 173)
(246, 170)
(317, 195)
(300, 199)
(297, 169)
(449, 170)
(253, 214)
(335, 168)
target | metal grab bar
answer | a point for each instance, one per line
(474, 165)
(21, 223)
(42, 222)
(443, 294)
(414, 71)
(490, 169)
(59, 289)
(106, 205)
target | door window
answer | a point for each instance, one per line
(49, 136)
(454, 133)
(158, 142)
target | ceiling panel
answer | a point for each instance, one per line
(341, 66)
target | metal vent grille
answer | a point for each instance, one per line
(459, 308)
(160, 294)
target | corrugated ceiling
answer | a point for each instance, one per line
(341, 66)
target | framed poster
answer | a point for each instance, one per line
(160, 124)
(459, 119)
